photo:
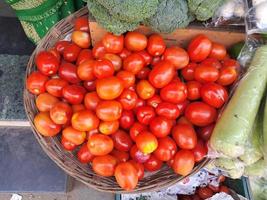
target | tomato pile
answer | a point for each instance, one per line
(130, 103)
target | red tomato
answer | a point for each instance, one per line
(135, 41)
(99, 50)
(139, 103)
(224, 189)
(183, 120)
(81, 24)
(162, 74)
(61, 45)
(108, 128)
(109, 88)
(84, 120)
(145, 114)
(73, 135)
(126, 176)
(127, 78)
(227, 76)
(174, 92)
(89, 85)
(146, 142)
(67, 145)
(128, 99)
(45, 101)
(120, 156)
(177, 56)
(71, 52)
(144, 89)
(154, 101)
(133, 63)
(153, 164)
(84, 155)
(47, 63)
(127, 119)
(193, 90)
(200, 114)
(155, 60)
(185, 136)
(214, 94)
(166, 149)
(184, 162)
(100, 145)
(212, 62)
(168, 110)
(90, 133)
(156, 45)
(104, 165)
(231, 63)
(77, 108)
(113, 43)
(188, 71)
(124, 53)
(44, 125)
(182, 106)
(218, 51)
(68, 72)
(55, 86)
(61, 113)
(115, 60)
(205, 132)
(74, 94)
(55, 53)
(81, 38)
(199, 48)
(36, 83)
(160, 126)
(143, 73)
(85, 71)
(136, 129)
(200, 151)
(109, 110)
(138, 155)
(206, 73)
(205, 192)
(140, 169)
(91, 100)
(122, 141)
(147, 57)
(103, 68)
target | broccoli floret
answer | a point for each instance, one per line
(109, 22)
(130, 10)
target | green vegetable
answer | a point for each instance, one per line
(256, 169)
(232, 129)
(236, 49)
(264, 149)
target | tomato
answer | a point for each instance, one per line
(227, 76)
(71, 52)
(218, 51)
(199, 48)
(205, 132)
(90, 133)
(127, 119)
(126, 176)
(77, 108)
(146, 56)
(183, 120)
(81, 24)
(144, 89)
(146, 142)
(67, 145)
(155, 45)
(174, 92)
(205, 192)
(85, 71)
(200, 114)
(221, 178)
(103, 68)
(109, 88)
(200, 151)
(224, 189)
(127, 78)
(100, 145)
(45, 101)
(91, 100)
(115, 60)
(84, 155)
(140, 102)
(75, 136)
(154, 101)
(108, 128)
(84, 120)
(137, 128)
(168, 110)
(109, 110)
(177, 56)
(153, 164)
(184, 162)
(124, 53)
(55, 86)
(160, 126)
(55, 53)
(128, 99)
(182, 106)
(133, 63)
(143, 73)
(140, 169)
(188, 71)
(61, 113)
(44, 125)
(138, 155)
(36, 83)
(104, 165)
(122, 141)
(206, 73)
(145, 114)
(120, 156)
(214, 94)
(135, 41)
(185, 136)
(81, 38)
(74, 94)
(47, 63)
(162, 74)
(166, 149)
(61, 45)
(155, 60)
(231, 63)
(113, 43)
(89, 85)
(193, 90)
(212, 62)
(99, 50)
(68, 72)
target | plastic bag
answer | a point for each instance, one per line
(259, 188)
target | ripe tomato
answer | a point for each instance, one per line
(81, 38)
(188, 71)
(212, 62)
(174, 92)
(109, 128)
(109, 88)
(84, 120)
(218, 51)
(185, 136)
(133, 63)
(104, 165)
(109, 110)
(200, 114)
(127, 119)
(128, 99)
(113, 43)
(122, 141)
(44, 125)
(224, 189)
(36, 83)
(182, 106)
(85, 71)
(135, 41)
(155, 60)
(146, 142)
(120, 156)
(227, 76)
(143, 73)
(183, 120)
(193, 90)
(160, 126)
(100, 145)
(205, 192)
(90, 133)
(81, 24)
(168, 110)
(126, 176)
(55, 53)
(145, 114)
(124, 53)
(214, 94)
(184, 162)
(205, 132)
(231, 63)
(47, 63)
(140, 169)
(144, 89)
(103, 68)
(68, 72)
(177, 56)
(140, 102)
(200, 151)
(115, 60)
(166, 149)
(206, 73)
(154, 101)
(153, 164)
(127, 78)
(74, 94)
(61, 45)
(155, 45)
(147, 57)
(71, 52)
(136, 129)
(61, 113)
(67, 145)
(77, 108)
(99, 50)
(199, 48)
(55, 86)
(89, 85)
(73, 135)
(138, 155)
(162, 74)
(45, 101)
(91, 100)
(84, 155)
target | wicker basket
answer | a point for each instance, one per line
(67, 160)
